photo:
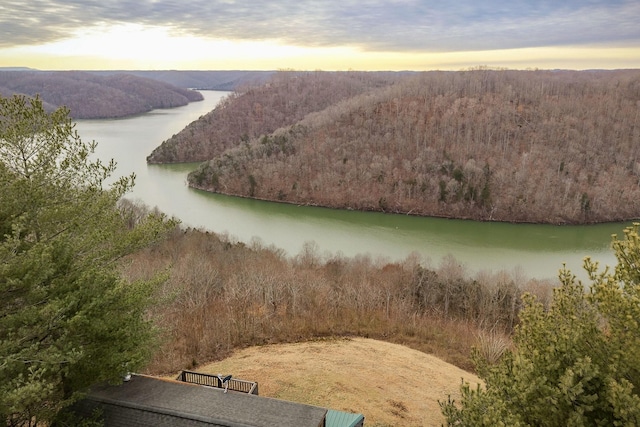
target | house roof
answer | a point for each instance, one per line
(147, 401)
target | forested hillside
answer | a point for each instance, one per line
(253, 111)
(90, 96)
(526, 146)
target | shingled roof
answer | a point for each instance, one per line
(146, 401)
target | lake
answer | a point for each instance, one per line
(537, 250)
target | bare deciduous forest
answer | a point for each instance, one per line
(90, 96)
(222, 295)
(520, 146)
(253, 111)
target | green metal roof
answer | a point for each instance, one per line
(343, 419)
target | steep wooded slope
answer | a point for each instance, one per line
(94, 96)
(535, 146)
(260, 110)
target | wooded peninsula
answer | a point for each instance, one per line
(555, 147)
(93, 96)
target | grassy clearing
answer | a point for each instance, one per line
(389, 383)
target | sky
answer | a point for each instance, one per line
(319, 34)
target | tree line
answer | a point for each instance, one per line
(521, 146)
(221, 295)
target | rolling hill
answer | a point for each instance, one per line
(390, 384)
(261, 109)
(559, 147)
(90, 96)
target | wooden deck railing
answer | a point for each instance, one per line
(209, 380)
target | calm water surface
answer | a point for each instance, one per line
(538, 250)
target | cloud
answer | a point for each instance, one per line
(391, 25)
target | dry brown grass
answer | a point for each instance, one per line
(390, 384)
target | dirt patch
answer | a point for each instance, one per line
(390, 384)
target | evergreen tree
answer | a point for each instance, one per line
(576, 363)
(67, 319)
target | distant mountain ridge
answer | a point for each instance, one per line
(93, 96)
(17, 69)
(226, 80)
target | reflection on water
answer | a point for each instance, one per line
(540, 250)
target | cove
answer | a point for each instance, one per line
(537, 251)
